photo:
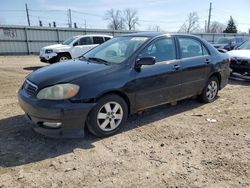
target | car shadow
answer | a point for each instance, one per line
(239, 82)
(20, 145)
(32, 68)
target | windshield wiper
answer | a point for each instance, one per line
(98, 60)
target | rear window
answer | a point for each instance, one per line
(98, 40)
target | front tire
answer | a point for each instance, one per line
(62, 57)
(108, 116)
(210, 91)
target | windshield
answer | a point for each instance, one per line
(245, 46)
(69, 40)
(115, 50)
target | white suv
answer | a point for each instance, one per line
(71, 48)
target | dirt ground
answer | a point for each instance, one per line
(168, 146)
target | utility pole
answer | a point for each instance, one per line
(70, 20)
(85, 24)
(209, 18)
(27, 12)
(205, 26)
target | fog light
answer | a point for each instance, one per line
(52, 124)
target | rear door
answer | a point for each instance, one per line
(195, 60)
(159, 83)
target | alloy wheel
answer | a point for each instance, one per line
(63, 58)
(212, 90)
(110, 116)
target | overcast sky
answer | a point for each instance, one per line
(168, 14)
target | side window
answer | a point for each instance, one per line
(204, 50)
(190, 47)
(162, 50)
(85, 41)
(98, 40)
(106, 38)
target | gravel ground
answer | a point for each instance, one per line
(168, 146)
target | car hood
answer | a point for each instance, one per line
(64, 72)
(243, 54)
(56, 47)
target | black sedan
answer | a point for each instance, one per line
(122, 76)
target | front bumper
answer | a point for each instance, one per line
(72, 116)
(48, 57)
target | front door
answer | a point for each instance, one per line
(159, 83)
(81, 46)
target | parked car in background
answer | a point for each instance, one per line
(229, 43)
(122, 76)
(240, 61)
(73, 47)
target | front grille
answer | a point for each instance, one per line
(30, 88)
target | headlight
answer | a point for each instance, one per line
(58, 92)
(47, 51)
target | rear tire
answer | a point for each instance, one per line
(210, 91)
(108, 116)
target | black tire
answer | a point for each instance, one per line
(94, 124)
(204, 97)
(62, 55)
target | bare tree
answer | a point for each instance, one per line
(191, 24)
(217, 27)
(130, 18)
(154, 28)
(115, 19)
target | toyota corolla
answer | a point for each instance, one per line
(120, 77)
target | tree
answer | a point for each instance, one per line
(130, 18)
(231, 27)
(154, 28)
(191, 24)
(115, 19)
(217, 27)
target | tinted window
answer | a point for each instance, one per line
(84, 41)
(190, 47)
(106, 38)
(162, 50)
(98, 40)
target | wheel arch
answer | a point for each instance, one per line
(218, 76)
(66, 53)
(120, 94)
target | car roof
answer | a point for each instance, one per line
(156, 34)
(93, 35)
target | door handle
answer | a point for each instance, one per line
(207, 61)
(176, 67)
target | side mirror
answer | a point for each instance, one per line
(145, 61)
(75, 44)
